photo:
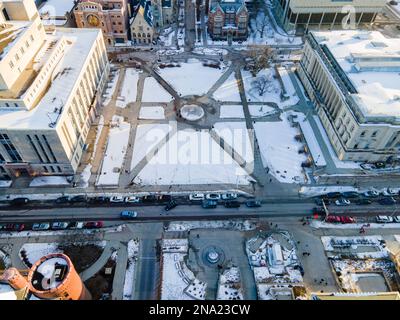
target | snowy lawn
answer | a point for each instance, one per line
(154, 92)
(35, 251)
(147, 137)
(56, 8)
(191, 78)
(231, 111)
(228, 91)
(129, 88)
(265, 88)
(257, 111)
(152, 113)
(49, 181)
(115, 152)
(237, 136)
(192, 157)
(279, 150)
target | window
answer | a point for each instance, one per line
(11, 64)
(374, 134)
(16, 56)
(356, 146)
(10, 148)
(22, 50)
(363, 134)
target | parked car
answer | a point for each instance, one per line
(232, 204)
(342, 202)
(164, 198)
(387, 201)
(363, 201)
(149, 198)
(350, 194)
(332, 195)
(396, 219)
(19, 201)
(59, 225)
(209, 204)
(2, 227)
(116, 199)
(77, 225)
(213, 196)
(127, 215)
(172, 204)
(371, 194)
(229, 196)
(41, 226)
(333, 219)
(253, 203)
(99, 200)
(78, 198)
(347, 219)
(14, 227)
(61, 200)
(384, 219)
(132, 199)
(94, 224)
(196, 197)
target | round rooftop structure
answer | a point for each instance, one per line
(54, 277)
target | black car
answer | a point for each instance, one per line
(253, 203)
(79, 198)
(232, 204)
(387, 201)
(19, 201)
(363, 201)
(350, 194)
(164, 198)
(64, 199)
(149, 198)
(172, 204)
(99, 200)
(332, 195)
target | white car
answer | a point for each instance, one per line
(342, 202)
(213, 196)
(117, 199)
(229, 196)
(132, 199)
(396, 219)
(196, 197)
(77, 225)
(371, 193)
(390, 192)
(41, 226)
(59, 225)
(384, 219)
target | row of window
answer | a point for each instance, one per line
(10, 149)
(22, 51)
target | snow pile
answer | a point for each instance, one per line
(85, 176)
(133, 251)
(5, 183)
(258, 111)
(115, 153)
(129, 88)
(326, 225)
(229, 285)
(241, 225)
(154, 92)
(280, 151)
(49, 181)
(192, 157)
(111, 85)
(192, 78)
(231, 111)
(228, 91)
(152, 113)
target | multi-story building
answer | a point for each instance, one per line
(141, 24)
(353, 78)
(294, 14)
(163, 12)
(49, 84)
(111, 16)
(228, 19)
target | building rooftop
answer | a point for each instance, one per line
(64, 78)
(371, 63)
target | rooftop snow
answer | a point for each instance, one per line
(81, 41)
(369, 60)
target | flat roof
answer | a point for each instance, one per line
(71, 65)
(371, 62)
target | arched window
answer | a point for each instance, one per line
(134, 35)
(148, 35)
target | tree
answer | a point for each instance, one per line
(261, 84)
(262, 22)
(259, 58)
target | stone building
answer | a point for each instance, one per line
(353, 78)
(111, 16)
(141, 24)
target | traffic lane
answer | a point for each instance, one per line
(186, 212)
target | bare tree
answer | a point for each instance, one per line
(261, 84)
(259, 58)
(262, 22)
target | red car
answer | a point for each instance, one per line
(14, 227)
(347, 219)
(94, 224)
(333, 219)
